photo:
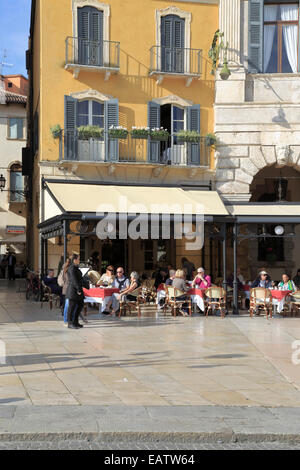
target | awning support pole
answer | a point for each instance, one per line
(224, 242)
(235, 282)
(42, 256)
(65, 240)
(46, 256)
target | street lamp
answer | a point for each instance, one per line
(13, 191)
(2, 182)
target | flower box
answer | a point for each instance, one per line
(159, 134)
(140, 133)
(118, 133)
(90, 132)
(188, 136)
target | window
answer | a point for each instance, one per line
(16, 184)
(90, 113)
(16, 128)
(270, 249)
(281, 38)
(178, 121)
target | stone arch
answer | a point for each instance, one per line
(235, 173)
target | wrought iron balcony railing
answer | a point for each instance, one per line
(132, 150)
(92, 54)
(175, 61)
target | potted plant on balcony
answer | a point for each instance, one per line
(140, 132)
(56, 131)
(90, 132)
(210, 140)
(188, 136)
(118, 132)
(159, 134)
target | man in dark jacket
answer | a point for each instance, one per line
(75, 293)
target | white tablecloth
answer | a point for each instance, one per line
(196, 299)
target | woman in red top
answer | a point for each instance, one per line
(201, 281)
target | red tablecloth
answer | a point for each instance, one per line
(100, 292)
(246, 287)
(190, 292)
(280, 294)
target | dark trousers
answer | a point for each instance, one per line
(3, 272)
(74, 310)
(11, 273)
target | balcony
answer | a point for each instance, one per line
(93, 56)
(132, 150)
(175, 62)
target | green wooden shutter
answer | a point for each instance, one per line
(71, 110)
(193, 121)
(111, 118)
(255, 38)
(153, 122)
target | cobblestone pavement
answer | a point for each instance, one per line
(157, 446)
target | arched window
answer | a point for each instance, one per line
(16, 183)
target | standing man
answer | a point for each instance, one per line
(75, 293)
(188, 267)
(11, 263)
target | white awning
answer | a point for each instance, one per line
(14, 240)
(97, 198)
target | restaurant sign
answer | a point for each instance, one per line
(16, 229)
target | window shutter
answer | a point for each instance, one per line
(96, 50)
(90, 28)
(71, 110)
(153, 122)
(111, 118)
(255, 40)
(193, 121)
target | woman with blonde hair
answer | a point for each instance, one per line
(179, 282)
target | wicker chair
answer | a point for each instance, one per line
(48, 296)
(215, 300)
(148, 291)
(295, 302)
(173, 302)
(260, 298)
(128, 304)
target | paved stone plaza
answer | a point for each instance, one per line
(206, 370)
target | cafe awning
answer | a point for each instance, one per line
(81, 198)
(276, 212)
(14, 240)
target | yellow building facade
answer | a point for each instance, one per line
(141, 63)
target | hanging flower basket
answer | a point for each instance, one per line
(210, 140)
(56, 131)
(159, 134)
(188, 136)
(140, 133)
(118, 132)
(90, 132)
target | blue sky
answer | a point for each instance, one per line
(14, 32)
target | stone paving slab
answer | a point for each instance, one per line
(149, 423)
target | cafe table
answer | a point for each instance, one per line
(279, 297)
(99, 295)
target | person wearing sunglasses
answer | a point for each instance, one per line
(263, 280)
(107, 279)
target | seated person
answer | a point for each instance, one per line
(107, 279)
(201, 281)
(120, 282)
(51, 281)
(169, 281)
(287, 283)
(263, 280)
(160, 277)
(134, 284)
(297, 279)
(179, 282)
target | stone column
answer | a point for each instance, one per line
(230, 25)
